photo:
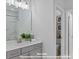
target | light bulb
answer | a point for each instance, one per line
(19, 4)
(26, 6)
(16, 4)
(12, 2)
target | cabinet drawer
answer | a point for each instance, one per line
(21, 56)
(12, 53)
(16, 57)
(27, 49)
(38, 45)
(36, 52)
(24, 56)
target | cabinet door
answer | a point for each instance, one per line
(15, 57)
(36, 53)
(23, 56)
(12, 53)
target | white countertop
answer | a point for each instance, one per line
(11, 45)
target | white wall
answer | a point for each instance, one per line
(43, 24)
(60, 3)
(68, 4)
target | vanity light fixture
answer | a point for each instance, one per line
(24, 4)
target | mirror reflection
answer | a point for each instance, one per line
(18, 21)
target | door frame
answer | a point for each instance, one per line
(63, 29)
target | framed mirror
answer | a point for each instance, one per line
(18, 21)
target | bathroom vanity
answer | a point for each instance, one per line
(15, 50)
(19, 21)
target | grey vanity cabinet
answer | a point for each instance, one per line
(36, 52)
(16, 54)
(12, 53)
(26, 54)
(19, 57)
(32, 50)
